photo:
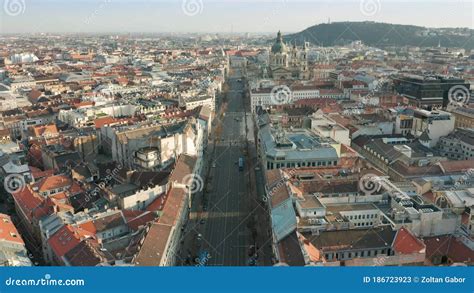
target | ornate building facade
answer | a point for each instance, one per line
(288, 62)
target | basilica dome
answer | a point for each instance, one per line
(279, 46)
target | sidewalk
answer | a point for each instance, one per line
(261, 218)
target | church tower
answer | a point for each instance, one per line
(279, 53)
(288, 62)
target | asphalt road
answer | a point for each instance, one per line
(226, 235)
(227, 214)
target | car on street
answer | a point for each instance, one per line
(203, 221)
(213, 165)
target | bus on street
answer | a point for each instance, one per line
(241, 164)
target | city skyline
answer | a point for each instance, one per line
(218, 16)
(178, 133)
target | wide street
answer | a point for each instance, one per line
(226, 219)
(226, 234)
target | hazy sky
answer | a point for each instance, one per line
(18, 16)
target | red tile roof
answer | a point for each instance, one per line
(456, 166)
(157, 205)
(406, 243)
(89, 226)
(136, 219)
(106, 121)
(30, 203)
(8, 231)
(173, 206)
(39, 174)
(53, 182)
(66, 238)
(41, 130)
(153, 247)
(83, 104)
(449, 246)
(104, 223)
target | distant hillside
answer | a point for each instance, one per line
(383, 34)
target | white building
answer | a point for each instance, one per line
(435, 124)
(197, 101)
(279, 95)
(20, 82)
(324, 126)
(23, 58)
(459, 145)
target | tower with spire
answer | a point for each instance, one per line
(288, 62)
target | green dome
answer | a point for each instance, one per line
(279, 46)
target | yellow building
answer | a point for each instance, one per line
(464, 117)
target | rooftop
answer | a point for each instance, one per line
(378, 237)
(296, 144)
